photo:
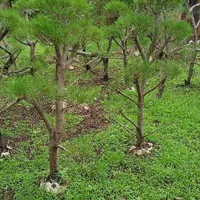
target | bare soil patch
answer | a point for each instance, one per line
(93, 119)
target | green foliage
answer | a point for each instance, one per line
(52, 30)
(140, 68)
(57, 21)
(179, 30)
(79, 95)
(31, 87)
(11, 19)
(116, 8)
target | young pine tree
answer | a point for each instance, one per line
(152, 27)
(62, 25)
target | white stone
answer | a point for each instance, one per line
(4, 154)
(64, 105)
(136, 53)
(86, 107)
(51, 187)
(71, 67)
(132, 148)
(139, 152)
(9, 148)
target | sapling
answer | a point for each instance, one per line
(151, 44)
(54, 26)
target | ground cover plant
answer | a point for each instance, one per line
(67, 126)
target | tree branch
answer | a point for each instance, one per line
(43, 117)
(126, 96)
(152, 89)
(157, 129)
(137, 42)
(91, 61)
(2, 110)
(20, 71)
(193, 7)
(24, 43)
(3, 33)
(118, 43)
(152, 45)
(6, 50)
(82, 53)
(128, 119)
(160, 50)
(121, 125)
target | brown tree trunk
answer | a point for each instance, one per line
(53, 156)
(106, 61)
(54, 141)
(139, 135)
(191, 70)
(125, 60)
(87, 66)
(32, 52)
(139, 128)
(105, 68)
(161, 88)
(32, 56)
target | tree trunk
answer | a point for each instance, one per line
(87, 67)
(32, 52)
(105, 67)
(54, 141)
(53, 157)
(32, 56)
(191, 70)
(192, 63)
(139, 128)
(125, 60)
(139, 133)
(106, 61)
(161, 88)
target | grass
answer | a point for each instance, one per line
(97, 166)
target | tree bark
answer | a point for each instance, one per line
(5, 108)
(53, 155)
(140, 120)
(59, 114)
(105, 68)
(3, 32)
(9, 63)
(32, 56)
(32, 52)
(192, 63)
(87, 66)
(125, 60)
(161, 87)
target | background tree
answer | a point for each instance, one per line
(194, 10)
(148, 32)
